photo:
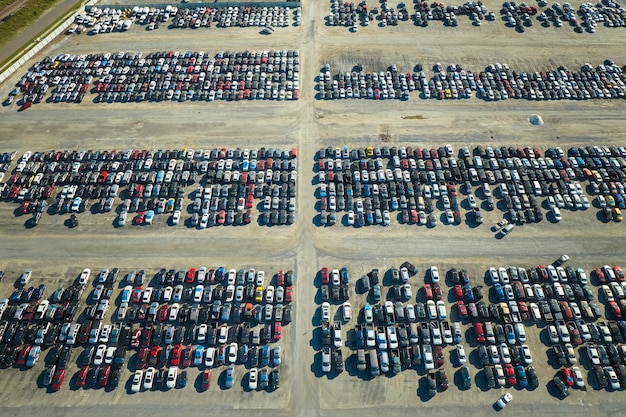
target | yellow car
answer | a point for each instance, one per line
(369, 151)
(610, 201)
(258, 294)
(617, 215)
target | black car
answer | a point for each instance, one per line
(275, 379)
(533, 380)
(432, 384)
(182, 379)
(466, 378)
(600, 376)
(443, 379)
(114, 378)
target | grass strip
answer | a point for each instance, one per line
(23, 18)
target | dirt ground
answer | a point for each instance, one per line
(309, 124)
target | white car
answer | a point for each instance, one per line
(578, 377)
(368, 314)
(172, 374)
(279, 295)
(209, 357)
(110, 355)
(370, 337)
(325, 311)
(175, 217)
(338, 337)
(25, 277)
(135, 385)
(553, 334)
(504, 400)
(520, 331)
(347, 311)
(392, 337)
(460, 354)
(434, 274)
(269, 294)
(431, 308)
(253, 377)
(198, 292)
(84, 276)
(427, 354)
(441, 310)
(99, 356)
(173, 313)
(148, 379)
(526, 356)
(232, 352)
(326, 360)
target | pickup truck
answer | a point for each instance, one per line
(326, 336)
(338, 360)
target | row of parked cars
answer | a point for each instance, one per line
(496, 82)
(370, 183)
(106, 20)
(184, 319)
(388, 336)
(154, 182)
(167, 75)
(561, 297)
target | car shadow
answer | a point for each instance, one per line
(422, 389)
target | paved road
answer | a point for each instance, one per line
(33, 30)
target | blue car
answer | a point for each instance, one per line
(499, 292)
(198, 355)
(522, 379)
(360, 340)
(469, 294)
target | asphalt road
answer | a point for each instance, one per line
(22, 38)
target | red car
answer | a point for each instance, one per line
(103, 378)
(599, 273)
(288, 294)
(153, 360)
(619, 273)
(278, 330)
(462, 309)
(437, 291)
(617, 313)
(280, 278)
(509, 372)
(567, 376)
(23, 355)
(249, 201)
(142, 358)
(187, 357)
(191, 276)
(221, 217)
(439, 357)
(458, 292)
(146, 336)
(479, 330)
(140, 217)
(81, 376)
(134, 338)
(162, 314)
(325, 276)
(136, 296)
(543, 272)
(57, 380)
(206, 379)
(176, 353)
(428, 292)
(247, 217)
